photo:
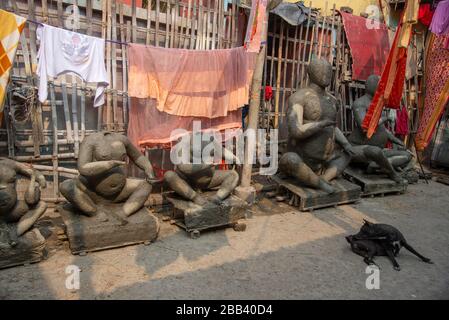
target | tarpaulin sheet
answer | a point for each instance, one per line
(369, 45)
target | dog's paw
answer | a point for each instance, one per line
(398, 268)
(428, 261)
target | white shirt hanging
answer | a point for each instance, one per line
(63, 51)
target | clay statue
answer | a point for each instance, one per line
(202, 176)
(312, 157)
(102, 178)
(19, 215)
(370, 151)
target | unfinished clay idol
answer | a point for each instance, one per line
(107, 208)
(20, 243)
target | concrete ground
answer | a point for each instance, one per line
(284, 254)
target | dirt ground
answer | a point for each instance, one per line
(283, 254)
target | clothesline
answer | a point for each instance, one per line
(107, 40)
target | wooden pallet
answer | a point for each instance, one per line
(88, 234)
(31, 248)
(373, 184)
(194, 218)
(308, 199)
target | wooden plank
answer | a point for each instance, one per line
(322, 31)
(68, 124)
(310, 199)
(373, 184)
(305, 48)
(134, 20)
(208, 14)
(75, 116)
(124, 66)
(89, 16)
(158, 11)
(60, 14)
(214, 25)
(54, 118)
(114, 66)
(109, 113)
(147, 41)
(104, 19)
(278, 77)
(189, 28)
(199, 31)
(284, 89)
(194, 27)
(167, 25)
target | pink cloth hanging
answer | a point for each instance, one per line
(149, 127)
(191, 83)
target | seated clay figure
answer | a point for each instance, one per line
(102, 178)
(313, 157)
(203, 176)
(318, 151)
(21, 213)
(367, 150)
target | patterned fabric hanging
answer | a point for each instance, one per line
(10, 30)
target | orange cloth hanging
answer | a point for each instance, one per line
(391, 84)
(191, 83)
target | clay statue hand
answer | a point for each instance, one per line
(41, 180)
(327, 123)
(216, 200)
(349, 150)
(117, 163)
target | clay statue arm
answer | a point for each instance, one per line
(139, 159)
(87, 167)
(227, 154)
(343, 142)
(395, 139)
(30, 173)
(300, 130)
(357, 115)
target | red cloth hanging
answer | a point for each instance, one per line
(425, 14)
(268, 93)
(391, 84)
(401, 121)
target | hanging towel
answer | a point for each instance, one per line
(11, 26)
(63, 51)
(149, 127)
(191, 83)
(437, 89)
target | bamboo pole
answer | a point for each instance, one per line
(253, 117)
(278, 77)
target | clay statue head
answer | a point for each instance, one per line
(371, 84)
(320, 72)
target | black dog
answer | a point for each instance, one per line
(376, 239)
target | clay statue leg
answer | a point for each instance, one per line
(182, 188)
(399, 159)
(24, 217)
(292, 165)
(77, 194)
(367, 154)
(227, 180)
(336, 166)
(135, 192)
